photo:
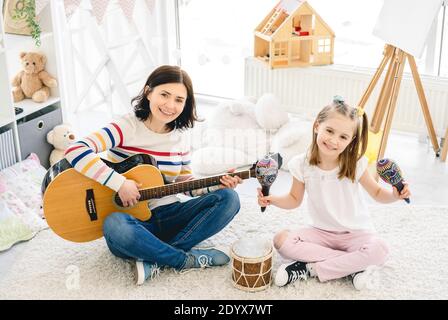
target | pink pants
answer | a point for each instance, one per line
(335, 255)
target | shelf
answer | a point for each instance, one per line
(28, 136)
(4, 120)
(29, 106)
(18, 42)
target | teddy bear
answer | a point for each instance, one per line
(61, 136)
(237, 133)
(33, 81)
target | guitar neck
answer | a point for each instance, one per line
(180, 187)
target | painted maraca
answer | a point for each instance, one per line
(266, 172)
(389, 171)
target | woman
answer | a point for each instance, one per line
(163, 111)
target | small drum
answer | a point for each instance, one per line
(251, 264)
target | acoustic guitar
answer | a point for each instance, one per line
(75, 206)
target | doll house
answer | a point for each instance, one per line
(294, 35)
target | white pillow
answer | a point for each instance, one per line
(17, 221)
(197, 135)
(239, 131)
(252, 141)
(24, 179)
(269, 112)
(218, 160)
(231, 114)
(292, 139)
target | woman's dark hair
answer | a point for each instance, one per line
(162, 75)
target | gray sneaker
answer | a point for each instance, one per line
(144, 270)
(204, 258)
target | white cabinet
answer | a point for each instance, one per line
(10, 47)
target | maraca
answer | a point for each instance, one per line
(266, 172)
(389, 171)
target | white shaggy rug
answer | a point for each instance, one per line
(51, 268)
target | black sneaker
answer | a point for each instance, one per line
(288, 273)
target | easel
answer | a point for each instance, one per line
(445, 146)
(389, 93)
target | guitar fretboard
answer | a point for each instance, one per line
(180, 187)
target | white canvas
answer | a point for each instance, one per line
(406, 23)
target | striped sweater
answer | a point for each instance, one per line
(125, 137)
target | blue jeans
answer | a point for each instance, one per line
(172, 230)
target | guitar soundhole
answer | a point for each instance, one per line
(118, 203)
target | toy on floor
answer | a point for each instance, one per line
(239, 132)
(33, 81)
(230, 138)
(60, 137)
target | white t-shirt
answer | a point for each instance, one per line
(334, 204)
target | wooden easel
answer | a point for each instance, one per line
(396, 58)
(445, 146)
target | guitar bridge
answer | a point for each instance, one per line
(90, 205)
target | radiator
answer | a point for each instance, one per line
(305, 91)
(7, 151)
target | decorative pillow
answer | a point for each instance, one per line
(232, 114)
(232, 125)
(24, 180)
(217, 160)
(269, 112)
(17, 221)
(196, 135)
(292, 139)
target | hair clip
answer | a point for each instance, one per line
(338, 99)
(359, 111)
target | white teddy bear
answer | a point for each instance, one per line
(237, 134)
(60, 137)
(292, 139)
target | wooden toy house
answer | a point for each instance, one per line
(294, 35)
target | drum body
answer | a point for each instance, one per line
(251, 264)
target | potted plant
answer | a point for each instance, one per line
(20, 18)
(26, 10)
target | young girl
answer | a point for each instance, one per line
(162, 112)
(340, 240)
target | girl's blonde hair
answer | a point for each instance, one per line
(357, 147)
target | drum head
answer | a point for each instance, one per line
(250, 247)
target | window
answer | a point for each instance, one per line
(281, 49)
(323, 45)
(217, 36)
